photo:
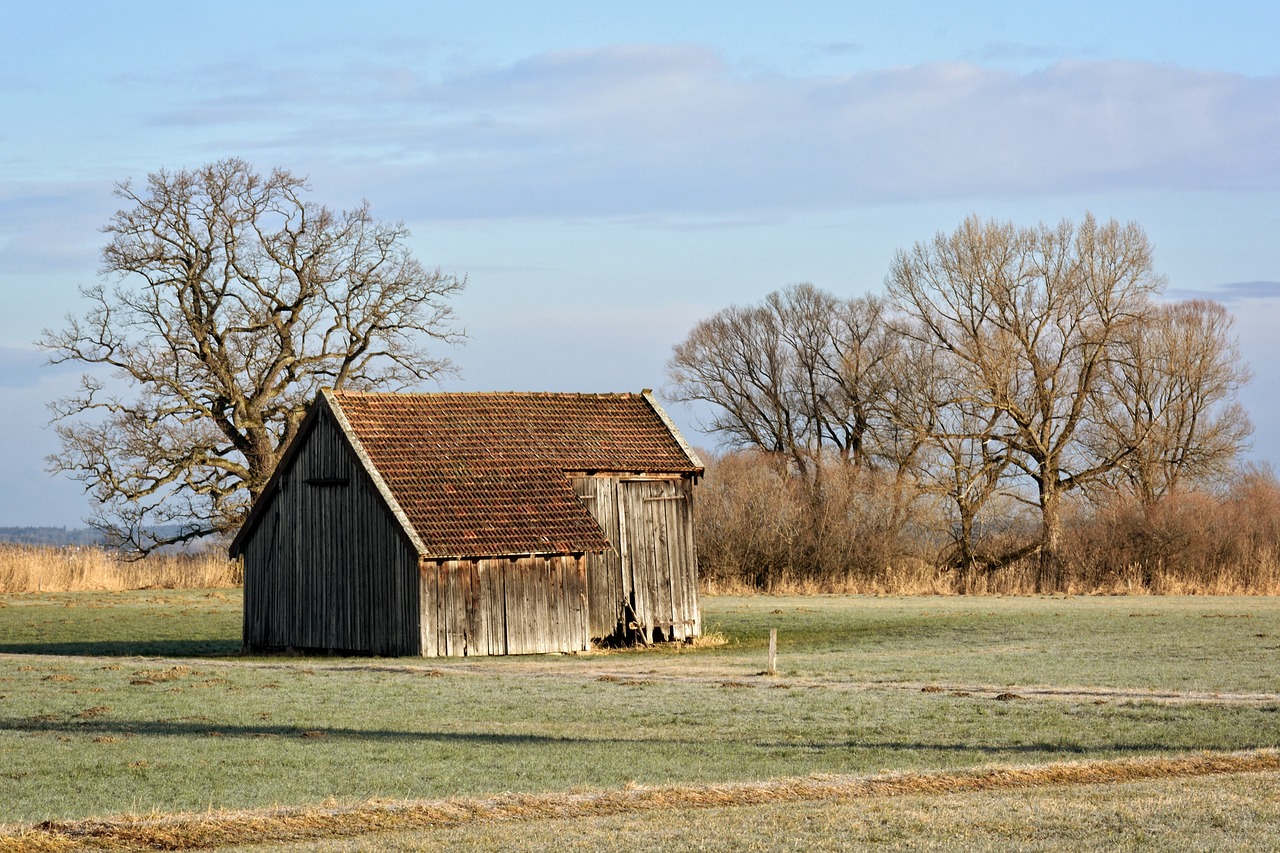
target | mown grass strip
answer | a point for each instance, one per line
(216, 829)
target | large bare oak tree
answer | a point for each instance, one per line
(233, 300)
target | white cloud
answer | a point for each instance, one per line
(639, 130)
(653, 130)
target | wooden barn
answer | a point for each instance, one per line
(473, 524)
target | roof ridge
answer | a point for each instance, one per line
(402, 394)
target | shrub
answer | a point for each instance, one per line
(761, 528)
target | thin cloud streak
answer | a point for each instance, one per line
(22, 367)
(1233, 294)
(50, 228)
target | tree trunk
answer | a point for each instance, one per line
(1050, 578)
(966, 563)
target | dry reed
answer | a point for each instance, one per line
(761, 529)
(920, 578)
(217, 829)
(31, 568)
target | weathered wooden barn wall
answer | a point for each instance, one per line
(607, 587)
(505, 605)
(327, 567)
(652, 568)
(657, 521)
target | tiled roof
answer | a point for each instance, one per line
(485, 474)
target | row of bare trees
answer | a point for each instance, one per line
(1005, 367)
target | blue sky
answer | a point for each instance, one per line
(606, 175)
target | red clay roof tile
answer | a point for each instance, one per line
(485, 474)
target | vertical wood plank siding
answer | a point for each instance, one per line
(327, 568)
(652, 567)
(525, 605)
(606, 591)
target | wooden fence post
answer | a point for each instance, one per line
(773, 652)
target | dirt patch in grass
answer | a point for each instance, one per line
(95, 711)
(203, 831)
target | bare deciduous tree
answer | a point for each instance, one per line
(957, 454)
(737, 361)
(841, 354)
(1031, 318)
(1171, 400)
(237, 299)
(803, 374)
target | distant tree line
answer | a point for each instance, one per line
(52, 536)
(1012, 385)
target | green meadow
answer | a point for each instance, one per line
(140, 703)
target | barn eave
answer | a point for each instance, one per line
(323, 403)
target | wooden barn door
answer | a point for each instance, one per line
(658, 562)
(606, 593)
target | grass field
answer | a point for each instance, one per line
(138, 703)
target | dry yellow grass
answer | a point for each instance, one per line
(920, 578)
(30, 568)
(204, 831)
